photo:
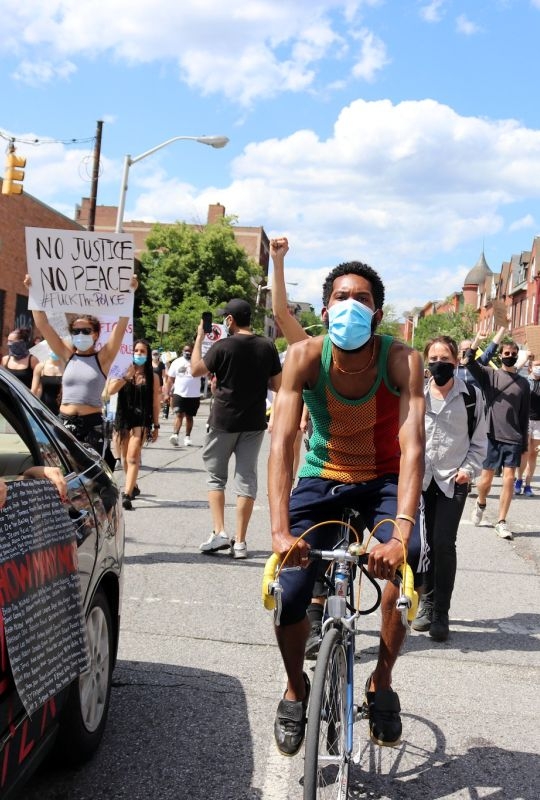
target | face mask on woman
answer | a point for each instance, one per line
(139, 359)
(349, 324)
(442, 371)
(82, 341)
(18, 349)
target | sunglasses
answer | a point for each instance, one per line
(85, 331)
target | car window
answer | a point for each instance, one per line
(15, 456)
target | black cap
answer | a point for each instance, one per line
(240, 311)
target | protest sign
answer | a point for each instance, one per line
(500, 314)
(218, 332)
(532, 338)
(80, 271)
(40, 594)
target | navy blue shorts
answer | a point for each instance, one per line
(316, 500)
(502, 454)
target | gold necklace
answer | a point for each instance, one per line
(356, 371)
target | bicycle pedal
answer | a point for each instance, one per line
(361, 712)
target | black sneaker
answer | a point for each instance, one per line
(383, 713)
(126, 501)
(136, 492)
(314, 641)
(439, 628)
(290, 723)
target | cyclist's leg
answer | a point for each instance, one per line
(311, 502)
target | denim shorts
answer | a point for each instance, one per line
(316, 500)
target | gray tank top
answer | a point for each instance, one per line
(83, 381)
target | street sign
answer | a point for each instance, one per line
(163, 323)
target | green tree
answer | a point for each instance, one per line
(390, 323)
(187, 270)
(458, 326)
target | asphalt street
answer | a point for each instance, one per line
(199, 675)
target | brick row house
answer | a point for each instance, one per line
(517, 285)
(16, 213)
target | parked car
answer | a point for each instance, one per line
(74, 721)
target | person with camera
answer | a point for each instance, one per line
(245, 366)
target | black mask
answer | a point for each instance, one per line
(509, 361)
(187, 355)
(442, 371)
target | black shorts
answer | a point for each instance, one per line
(316, 500)
(502, 454)
(185, 405)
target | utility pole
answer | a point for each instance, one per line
(95, 176)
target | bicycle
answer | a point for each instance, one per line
(332, 711)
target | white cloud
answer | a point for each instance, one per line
(395, 185)
(523, 223)
(466, 26)
(373, 56)
(38, 73)
(433, 12)
(243, 50)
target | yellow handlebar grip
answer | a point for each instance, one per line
(409, 590)
(269, 574)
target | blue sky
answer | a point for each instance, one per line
(401, 133)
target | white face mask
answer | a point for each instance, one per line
(82, 341)
(536, 372)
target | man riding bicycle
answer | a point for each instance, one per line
(365, 396)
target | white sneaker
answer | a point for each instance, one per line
(174, 439)
(240, 550)
(502, 530)
(187, 442)
(477, 514)
(217, 541)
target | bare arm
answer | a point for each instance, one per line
(110, 349)
(36, 387)
(287, 414)
(406, 372)
(291, 328)
(198, 367)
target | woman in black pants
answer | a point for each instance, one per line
(455, 449)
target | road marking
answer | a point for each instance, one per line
(278, 769)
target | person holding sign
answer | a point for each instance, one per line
(86, 370)
(137, 414)
(53, 474)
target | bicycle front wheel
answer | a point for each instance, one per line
(326, 762)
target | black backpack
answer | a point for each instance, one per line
(470, 406)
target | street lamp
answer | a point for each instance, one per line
(213, 141)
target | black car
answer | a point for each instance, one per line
(73, 720)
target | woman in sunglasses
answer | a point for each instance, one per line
(86, 371)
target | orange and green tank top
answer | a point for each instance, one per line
(353, 440)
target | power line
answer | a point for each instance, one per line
(37, 142)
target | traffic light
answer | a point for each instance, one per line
(13, 176)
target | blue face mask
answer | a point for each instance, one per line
(349, 324)
(139, 360)
(82, 341)
(53, 356)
